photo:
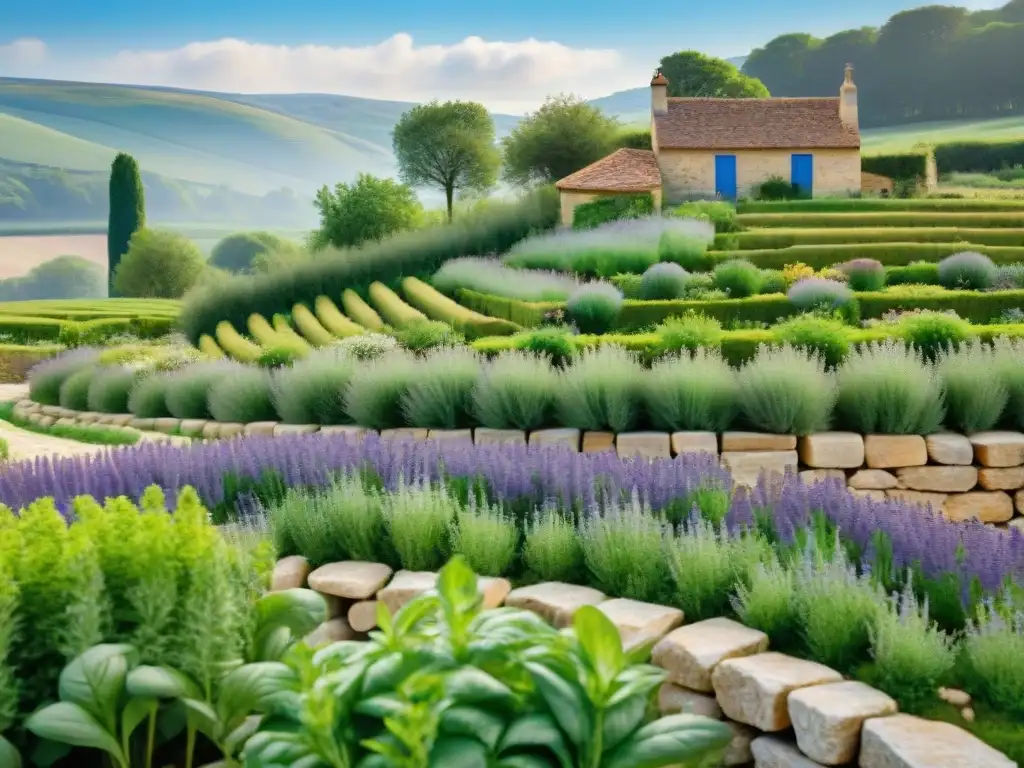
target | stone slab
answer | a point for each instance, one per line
(87, 417)
(646, 445)
(812, 476)
(905, 741)
(694, 442)
(690, 653)
(873, 480)
(121, 419)
(486, 436)
(637, 619)
(757, 441)
(263, 428)
(891, 451)
(227, 430)
(1001, 478)
(674, 699)
(939, 479)
(987, 506)
(827, 719)
(283, 430)
(451, 435)
(998, 449)
(193, 427)
(407, 585)
(362, 616)
(949, 448)
(167, 425)
(919, 498)
(331, 631)
(568, 437)
(746, 467)
(140, 424)
(289, 573)
(869, 494)
(403, 434)
(832, 450)
(598, 442)
(346, 430)
(351, 579)
(554, 601)
(776, 752)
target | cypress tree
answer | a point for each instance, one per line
(127, 210)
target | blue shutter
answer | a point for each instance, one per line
(802, 174)
(725, 176)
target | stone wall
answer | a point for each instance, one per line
(979, 476)
(784, 712)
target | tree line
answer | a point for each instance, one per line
(935, 62)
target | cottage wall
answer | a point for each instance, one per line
(691, 173)
(570, 199)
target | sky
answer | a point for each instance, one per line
(508, 55)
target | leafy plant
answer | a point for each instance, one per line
(773, 281)
(665, 280)
(365, 346)
(594, 307)
(556, 344)
(552, 550)
(74, 392)
(690, 332)
(440, 396)
(312, 390)
(278, 357)
(428, 334)
(188, 389)
(994, 639)
(786, 391)
(697, 392)
(825, 337)
(864, 274)
(738, 278)
(45, 378)
(418, 517)
(148, 398)
(515, 391)
(487, 539)
(967, 271)
(819, 294)
(599, 391)
(110, 387)
(244, 397)
(976, 391)
(375, 391)
(766, 600)
(623, 549)
(933, 332)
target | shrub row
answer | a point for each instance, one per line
(904, 166)
(867, 204)
(414, 253)
(437, 306)
(784, 237)
(888, 219)
(889, 254)
(75, 333)
(333, 320)
(979, 156)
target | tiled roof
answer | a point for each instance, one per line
(754, 124)
(625, 170)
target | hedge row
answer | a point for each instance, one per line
(437, 306)
(495, 230)
(887, 219)
(737, 346)
(393, 310)
(361, 313)
(24, 330)
(333, 320)
(979, 308)
(16, 361)
(870, 204)
(235, 344)
(979, 156)
(906, 166)
(783, 237)
(889, 254)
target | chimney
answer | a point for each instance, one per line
(659, 94)
(848, 101)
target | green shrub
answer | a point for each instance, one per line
(628, 284)
(45, 378)
(917, 273)
(690, 332)
(556, 344)
(593, 308)
(819, 294)
(777, 188)
(148, 399)
(874, 219)
(374, 395)
(861, 204)
(237, 252)
(979, 156)
(516, 391)
(110, 388)
(418, 520)
(685, 250)
(976, 391)
(623, 550)
(440, 395)
(738, 278)
(312, 390)
(785, 391)
(773, 281)
(1008, 354)
(74, 392)
(897, 166)
(244, 397)
(552, 549)
(888, 253)
(159, 264)
(824, 337)
(864, 274)
(605, 209)
(188, 389)
(664, 281)
(995, 640)
(933, 332)
(599, 391)
(428, 334)
(439, 307)
(691, 392)
(967, 271)
(486, 539)
(720, 213)
(366, 346)
(766, 600)
(885, 388)
(360, 312)
(278, 357)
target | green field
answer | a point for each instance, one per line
(903, 137)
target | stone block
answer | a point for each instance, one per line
(905, 741)
(694, 442)
(121, 419)
(757, 441)
(230, 429)
(46, 421)
(637, 619)
(812, 476)
(919, 498)
(52, 410)
(362, 616)
(347, 430)
(407, 585)
(211, 430)
(998, 449)
(747, 466)
(891, 451)
(939, 479)
(331, 631)
(87, 417)
(690, 653)
(486, 436)
(827, 719)
(598, 442)
(451, 435)
(262, 428)
(949, 448)
(832, 450)
(873, 480)
(1001, 479)
(193, 427)
(646, 445)
(554, 601)
(403, 433)
(987, 506)
(166, 425)
(675, 700)
(284, 430)
(775, 752)
(351, 579)
(568, 437)
(738, 751)
(868, 494)
(289, 573)
(143, 425)
(66, 421)
(754, 689)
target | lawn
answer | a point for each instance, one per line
(901, 138)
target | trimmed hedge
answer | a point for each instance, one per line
(333, 320)
(16, 360)
(284, 328)
(605, 209)
(527, 314)
(311, 328)
(265, 334)
(235, 344)
(26, 329)
(361, 313)
(899, 167)
(209, 347)
(870, 204)
(889, 254)
(784, 237)
(392, 308)
(437, 306)
(979, 156)
(887, 219)
(420, 252)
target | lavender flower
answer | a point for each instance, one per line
(818, 293)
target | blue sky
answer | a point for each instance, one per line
(602, 45)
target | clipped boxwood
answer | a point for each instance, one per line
(468, 322)
(889, 254)
(985, 218)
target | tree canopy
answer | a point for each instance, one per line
(127, 210)
(691, 73)
(936, 62)
(562, 136)
(158, 265)
(450, 146)
(368, 209)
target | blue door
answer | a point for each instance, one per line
(725, 176)
(802, 174)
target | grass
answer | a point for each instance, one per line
(878, 141)
(80, 433)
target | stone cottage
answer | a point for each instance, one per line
(724, 148)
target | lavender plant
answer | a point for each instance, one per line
(45, 378)
(440, 395)
(110, 387)
(188, 389)
(766, 600)
(486, 538)
(418, 517)
(994, 643)
(1008, 355)
(623, 547)
(600, 390)
(374, 394)
(594, 307)
(148, 398)
(696, 392)
(245, 397)
(515, 391)
(552, 549)
(491, 277)
(312, 390)
(975, 389)
(786, 391)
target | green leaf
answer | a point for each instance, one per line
(601, 643)
(621, 720)
(473, 723)
(9, 756)
(94, 680)
(298, 610)
(161, 683)
(48, 752)
(671, 740)
(469, 685)
(458, 753)
(237, 738)
(456, 583)
(524, 761)
(244, 690)
(274, 749)
(134, 713)
(385, 705)
(201, 716)
(536, 731)
(565, 701)
(412, 613)
(71, 724)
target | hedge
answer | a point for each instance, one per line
(209, 347)
(311, 329)
(391, 307)
(437, 306)
(264, 333)
(361, 313)
(887, 219)
(235, 344)
(494, 230)
(292, 338)
(737, 346)
(889, 254)
(24, 329)
(605, 209)
(334, 321)
(902, 167)
(783, 237)
(979, 308)
(979, 156)
(869, 204)
(16, 360)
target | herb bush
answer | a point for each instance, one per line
(593, 308)
(773, 281)
(312, 390)
(933, 333)
(279, 357)
(418, 518)
(975, 390)
(690, 332)
(967, 271)
(486, 538)
(689, 252)
(1008, 354)
(374, 395)
(605, 209)
(515, 391)
(599, 391)
(994, 639)
(826, 337)
(552, 549)
(428, 334)
(365, 346)
(623, 547)
(74, 391)
(864, 274)
(491, 277)
(785, 390)
(685, 393)
(440, 395)
(148, 398)
(664, 281)
(554, 344)
(719, 212)
(110, 387)
(188, 389)
(915, 273)
(819, 294)
(738, 278)
(245, 397)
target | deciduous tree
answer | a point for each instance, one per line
(159, 265)
(368, 209)
(691, 73)
(127, 210)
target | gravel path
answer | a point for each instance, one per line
(22, 444)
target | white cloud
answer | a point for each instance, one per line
(506, 76)
(22, 57)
